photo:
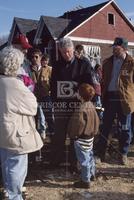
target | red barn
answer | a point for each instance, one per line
(95, 27)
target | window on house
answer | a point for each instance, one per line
(93, 53)
(131, 52)
(48, 48)
(111, 19)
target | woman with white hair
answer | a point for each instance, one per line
(18, 135)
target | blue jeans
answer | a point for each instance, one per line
(14, 171)
(113, 108)
(86, 161)
(41, 124)
(98, 103)
(48, 112)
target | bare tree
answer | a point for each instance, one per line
(3, 39)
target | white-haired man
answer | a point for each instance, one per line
(67, 73)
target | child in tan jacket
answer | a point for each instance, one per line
(82, 127)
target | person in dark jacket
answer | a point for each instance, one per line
(79, 51)
(67, 73)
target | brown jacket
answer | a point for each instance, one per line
(125, 82)
(42, 82)
(83, 122)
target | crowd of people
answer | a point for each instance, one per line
(67, 100)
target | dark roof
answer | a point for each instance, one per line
(55, 25)
(60, 26)
(83, 13)
(26, 25)
(78, 16)
(3, 45)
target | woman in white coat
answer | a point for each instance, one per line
(18, 135)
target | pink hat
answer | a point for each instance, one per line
(23, 41)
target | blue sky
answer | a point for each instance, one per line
(32, 9)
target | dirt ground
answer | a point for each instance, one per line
(114, 181)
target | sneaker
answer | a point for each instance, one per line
(124, 160)
(5, 194)
(82, 184)
(43, 135)
(24, 189)
(97, 160)
(24, 192)
(93, 178)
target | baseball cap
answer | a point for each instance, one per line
(120, 41)
(22, 40)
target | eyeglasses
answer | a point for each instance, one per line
(35, 57)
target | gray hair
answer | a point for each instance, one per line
(10, 61)
(65, 43)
